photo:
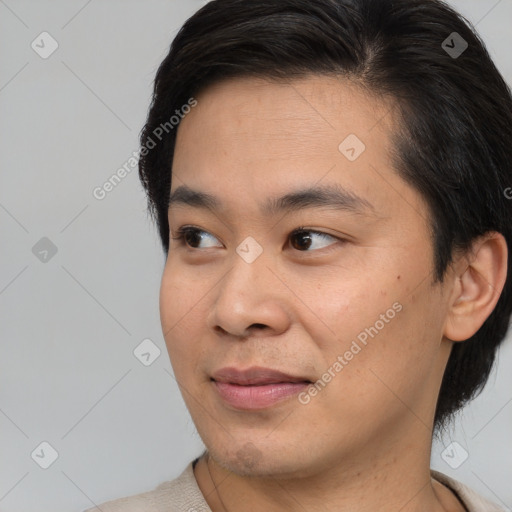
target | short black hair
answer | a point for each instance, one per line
(453, 143)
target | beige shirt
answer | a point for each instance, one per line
(183, 495)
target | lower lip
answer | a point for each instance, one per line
(257, 397)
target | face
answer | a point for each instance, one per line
(303, 331)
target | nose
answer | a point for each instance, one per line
(250, 300)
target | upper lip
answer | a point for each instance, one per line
(255, 375)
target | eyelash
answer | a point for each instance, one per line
(182, 231)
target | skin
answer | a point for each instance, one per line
(363, 442)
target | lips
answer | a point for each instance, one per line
(256, 387)
(255, 376)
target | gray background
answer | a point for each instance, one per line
(70, 324)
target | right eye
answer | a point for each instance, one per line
(189, 236)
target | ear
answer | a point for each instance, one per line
(480, 275)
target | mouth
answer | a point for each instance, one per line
(256, 387)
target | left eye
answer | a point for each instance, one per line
(301, 239)
(304, 238)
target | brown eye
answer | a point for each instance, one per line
(192, 237)
(302, 239)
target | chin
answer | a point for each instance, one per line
(246, 458)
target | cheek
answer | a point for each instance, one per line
(349, 306)
(180, 293)
(381, 326)
(181, 315)
(377, 374)
(169, 300)
(396, 365)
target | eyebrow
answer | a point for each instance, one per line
(327, 196)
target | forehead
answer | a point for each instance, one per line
(289, 118)
(248, 139)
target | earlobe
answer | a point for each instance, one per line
(479, 283)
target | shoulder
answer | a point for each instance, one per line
(471, 499)
(179, 495)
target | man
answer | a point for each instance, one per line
(334, 212)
